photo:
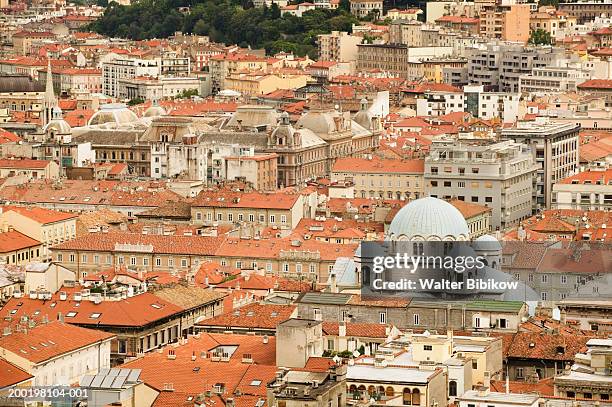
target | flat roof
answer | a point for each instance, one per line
(388, 374)
(506, 398)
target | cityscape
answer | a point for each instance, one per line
(286, 203)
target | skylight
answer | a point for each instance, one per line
(256, 382)
(156, 306)
(95, 315)
(71, 314)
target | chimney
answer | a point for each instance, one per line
(342, 329)
(229, 402)
(333, 287)
(487, 379)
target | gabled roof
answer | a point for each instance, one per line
(252, 316)
(51, 340)
(40, 215)
(12, 375)
(13, 240)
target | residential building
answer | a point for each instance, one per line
(477, 216)
(249, 209)
(139, 321)
(87, 253)
(490, 105)
(361, 8)
(554, 147)
(589, 190)
(44, 225)
(441, 102)
(499, 175)
(32, 169)
(325, 71)
(17, 248)
(598, 87)
(23, 40)
(552, 21)
(260, 170)
(554, 79)
(305, 387)
(588, 378)
(297, 9)
(338, 46)
(70, 81)
(396, 385)
(155, 88)
(377, 178)
(125, 68)
(470, 25)
(586, 10)
(260, 83)
(399, 59)
(297, 340)
(505, 22)
(56, 353)
(254, 318)
(410, 14)
(591, 314)
(222, 65)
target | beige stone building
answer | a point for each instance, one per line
(47, 226)
(261, 170)
(378, 178)
(338, 46)
(260, 83)
(32, 169)
(361, 8)
(17, 248)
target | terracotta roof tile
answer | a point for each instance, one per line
(11, 374)
(12, 240)
(376, 165)
(262, 316)
(40, 215)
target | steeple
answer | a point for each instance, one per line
(49, 101)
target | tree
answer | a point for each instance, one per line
(540, 37)
(345, 5)
(187, 93)
(135, 101)
(201, 27)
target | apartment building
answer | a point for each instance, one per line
(490, 105)
(552, 21)
(499, 66)
(400, 59)
(436, 102)
(17, 248)
(155, 88)
(586, 10)
(505, 22)
(553, 79)
(257, 210)
(378, 178)
(44, 225)
(31, 169)
(338, 46)
(590, 190)
(361, 8)
(554, 147)
(497, 175)
(125, 68)
(67, 81)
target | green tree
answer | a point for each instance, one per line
(201, 27)
(187, 93)
(135, 101)
(540, 37)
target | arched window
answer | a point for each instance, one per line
(371, 390)
(365, 275)
(389, 392)
(452, 388)
(416, 397)
(381, 390)
(406, 397)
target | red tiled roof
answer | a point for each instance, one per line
(50, 340)
(596, 84)
(40, 215)
(24, 163)
(228, 199)
(8, 137)
(12, 240)
(545, 346)
(11, 374)
(196, 245)
(458, 20)
(135, 311)
(589, 177)
(356, 330)
(469, 209)
(544, 387)
(376, 165)
(255, 315)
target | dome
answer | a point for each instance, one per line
(321, 122)
(363, 117)
(113, 113)
(154, 110)
(428, 219)
(58, 126)
(487, 243)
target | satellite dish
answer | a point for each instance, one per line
(356, 353)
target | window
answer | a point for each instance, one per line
(382, 317)
(563, 279)
(283, 218)
(96, 259)
(183, 263)
(416, 319)
(544, 295)
(519, 372)
(477, 322)
(474, 364)
(427, 347)
(330, 344)
(286, 267)
(133, 261)
(145, 261)
(530, 278)
(158, 261)
(544, 278)
(317, 315)
(71, 314)
(298, 268)
(60, 257)
(83, 258)
(503, 323)
(272, 219)
(95, 315)
(230, 217)
(170, 262)
(72, 258)
(452, 388)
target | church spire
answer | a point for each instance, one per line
(49, 101)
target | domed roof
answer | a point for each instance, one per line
(319, 121)
(58, 126)
(486, 243)
(428, 219)
(363, 117)
(154, 110)
(113, 113)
